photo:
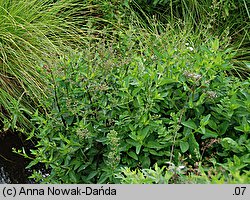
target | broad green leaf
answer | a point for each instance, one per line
(69, 120)
(190, 124)
(144, 118)
(166, 81)
(154, 145)
(209, 134)
(158, 96)
(92, 175)
(184, 146)
(223, 127)
(103, 178)
(102, 139)
(201, 99)
(132, 155)
(77, 164)
(133, 136)
(135, 91)
(205, 120)
(212, 124)
(153, 152)
(187, 131)
(83, 167)
(140, 101)
(164, 94)
(244, 127)
(66, 161)
(32, 163)
(194, 146)
(190, 103)
(142, 134)
(138, 148)
(132, 142)
(145, 162)
(203, 129)
(73, 176)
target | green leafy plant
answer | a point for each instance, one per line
(141, 100)
(146, 176)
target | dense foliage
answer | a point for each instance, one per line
(116, 105)
(128, 92)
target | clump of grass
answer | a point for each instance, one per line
(33, 34)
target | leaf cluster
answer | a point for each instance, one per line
(139, 101)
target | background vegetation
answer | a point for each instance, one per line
(130, 91)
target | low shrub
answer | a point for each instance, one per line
(142, 100)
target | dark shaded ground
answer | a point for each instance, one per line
(12, 165)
